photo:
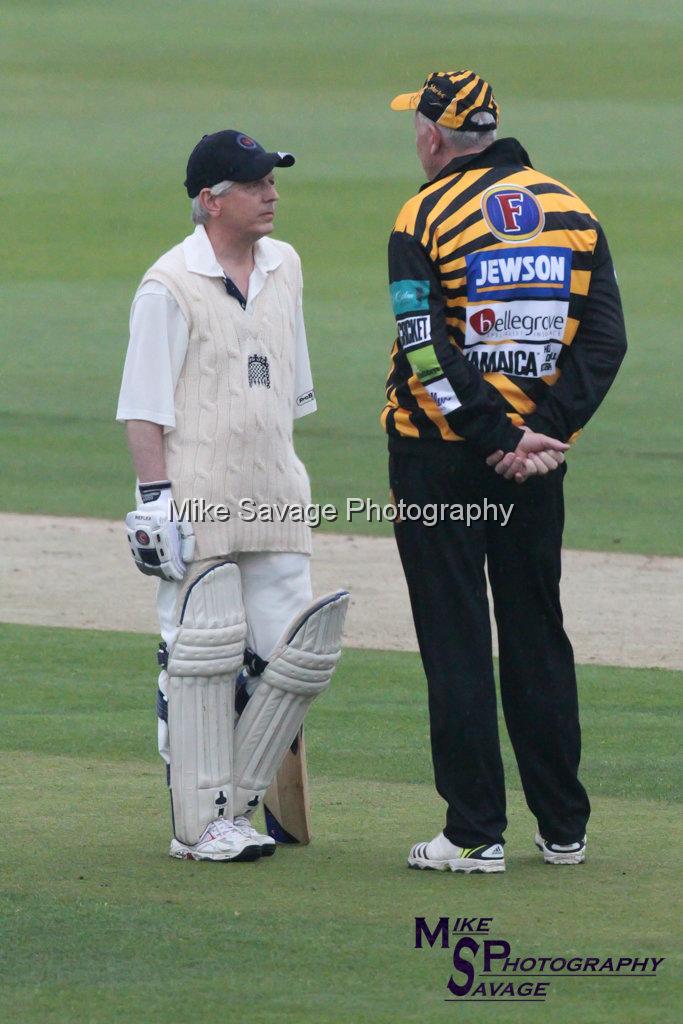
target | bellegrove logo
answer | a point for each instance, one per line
(488, 970)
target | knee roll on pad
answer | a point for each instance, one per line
(202, 669)
(299, 669)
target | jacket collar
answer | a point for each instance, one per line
(201, 259)
(501, 153)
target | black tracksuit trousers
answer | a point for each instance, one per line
(444, 569)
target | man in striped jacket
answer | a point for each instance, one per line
(509, 334)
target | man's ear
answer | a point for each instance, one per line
(210, 202)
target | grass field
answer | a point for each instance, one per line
(99, 107)
(101, 926)
(101, 103)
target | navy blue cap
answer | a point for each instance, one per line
(229, 156)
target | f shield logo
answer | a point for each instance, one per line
(512, 213)
(511, 204)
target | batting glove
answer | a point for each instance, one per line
(159, 545)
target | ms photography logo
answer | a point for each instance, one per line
(488, 970)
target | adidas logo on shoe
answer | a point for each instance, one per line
(442, 855)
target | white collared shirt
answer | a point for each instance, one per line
(159, 337)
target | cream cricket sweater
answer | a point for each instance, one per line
(234, 407)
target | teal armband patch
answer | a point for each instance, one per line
(409, 296)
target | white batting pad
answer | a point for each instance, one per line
(202, 669)
(299, 668)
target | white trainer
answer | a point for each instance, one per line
(266, 843)
(221, 840)
(557, 853)
(442, 855)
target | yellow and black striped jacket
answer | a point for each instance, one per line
(506, 305)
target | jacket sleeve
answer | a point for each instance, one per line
(590, 364)
(471, 407)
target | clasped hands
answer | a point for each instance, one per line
(535, 455)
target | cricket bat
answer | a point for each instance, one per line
(285, 805)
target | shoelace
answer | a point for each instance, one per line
(222, 828)
(243, 823)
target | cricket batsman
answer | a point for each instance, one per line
(217, 369)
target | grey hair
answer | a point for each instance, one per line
(462, 141)
(200, 214)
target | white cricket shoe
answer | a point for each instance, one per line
(266, 843)
(221, 840)
(442, 855)
(557, 853)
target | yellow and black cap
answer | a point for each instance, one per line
(229, 156)
(451, 98)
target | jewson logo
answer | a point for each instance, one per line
(512, 213)
(516, 321)
(542, 272)
(409, 296)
